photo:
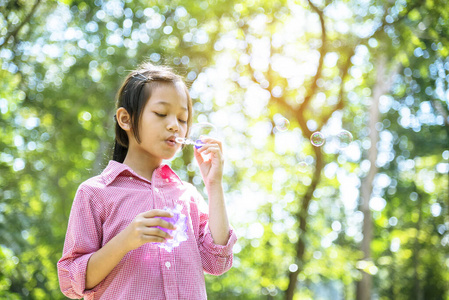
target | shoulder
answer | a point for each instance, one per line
(93, 184)
(91, 192)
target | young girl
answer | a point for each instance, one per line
(110, 250)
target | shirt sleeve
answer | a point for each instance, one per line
(83, 238)
(216, 259)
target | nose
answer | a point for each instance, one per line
(173, 125)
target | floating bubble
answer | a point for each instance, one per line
(281, 124)
(179, 234)
(197, 131)
(302, 164)
(202, 129)
(344, 138)
(317, 139)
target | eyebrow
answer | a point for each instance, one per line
(168, 104)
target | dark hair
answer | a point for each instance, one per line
(133, 96)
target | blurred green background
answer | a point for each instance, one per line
(365, 221)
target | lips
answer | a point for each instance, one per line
(171, 140)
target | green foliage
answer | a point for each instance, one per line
(63, 61)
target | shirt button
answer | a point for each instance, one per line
(156, 190)
(167, 180)
(168, 264)
(130, 177)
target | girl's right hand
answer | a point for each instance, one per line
(143, 229)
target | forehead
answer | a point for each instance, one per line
(169, 94)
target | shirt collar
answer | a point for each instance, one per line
(114, 169)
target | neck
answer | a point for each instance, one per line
(143, 166)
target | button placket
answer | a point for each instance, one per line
(168, 271)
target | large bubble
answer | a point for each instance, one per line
(197, 131)
(317, 139)
(340, 140)
(281, 123)
(344, 138)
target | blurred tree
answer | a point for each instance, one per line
(419, 43)
(311, 99)
(268, 74)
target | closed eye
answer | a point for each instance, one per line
(182, 121)
(160, 115)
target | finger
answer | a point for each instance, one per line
(212, 149)
(198, 156)
(155, 232)
(156, 221)
(154, 239)
(157, 213)
(208, 146)
(209, 140)
(206, 137)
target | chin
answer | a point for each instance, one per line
(169, 156)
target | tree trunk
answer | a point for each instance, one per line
(441, 110)
(364, 285)
(416, 250)
(302, 219)
(381, 86)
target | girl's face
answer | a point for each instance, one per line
(163, 119)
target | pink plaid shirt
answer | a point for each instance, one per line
(104, 205)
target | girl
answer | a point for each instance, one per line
(110, 250)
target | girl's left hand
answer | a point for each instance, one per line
(211, 167)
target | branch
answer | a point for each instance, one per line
(348, 63)
(399, 19)
(281, 100)
(344, 74)
(323, 50)
(26, 20)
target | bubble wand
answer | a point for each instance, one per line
(198, 130)
(185, 141)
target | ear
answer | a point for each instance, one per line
(123, 119)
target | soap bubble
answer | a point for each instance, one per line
(179, 234)
(281, 124)
(197, 131)
(344, 138)
(317, 139)
(202, 129)
(302, 165)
